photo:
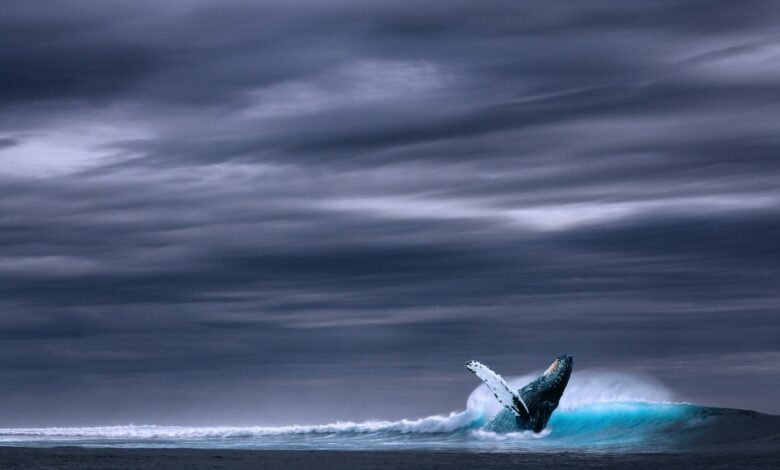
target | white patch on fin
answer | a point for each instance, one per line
(502, 391)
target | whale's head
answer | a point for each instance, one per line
(553, 381)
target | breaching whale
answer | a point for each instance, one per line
(530, 407)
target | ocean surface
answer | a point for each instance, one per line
(600, 412)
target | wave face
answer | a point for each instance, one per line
(599, 412)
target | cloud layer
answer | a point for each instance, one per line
(236, 213)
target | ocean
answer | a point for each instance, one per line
(600, 414)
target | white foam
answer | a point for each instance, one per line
(430, 424)
(484, 435)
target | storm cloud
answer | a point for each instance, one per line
(266, 212)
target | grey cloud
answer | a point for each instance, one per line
(280, 202)
(6, 142)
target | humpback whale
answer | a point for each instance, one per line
(530, 407)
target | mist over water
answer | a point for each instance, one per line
(600, 411)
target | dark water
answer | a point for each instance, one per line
(104, 458)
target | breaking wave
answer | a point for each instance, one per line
(599, 411)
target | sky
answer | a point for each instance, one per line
(245, 212)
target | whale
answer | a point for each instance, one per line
(530, 407)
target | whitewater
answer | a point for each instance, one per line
(600, 411)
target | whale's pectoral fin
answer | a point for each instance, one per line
(502, 391)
